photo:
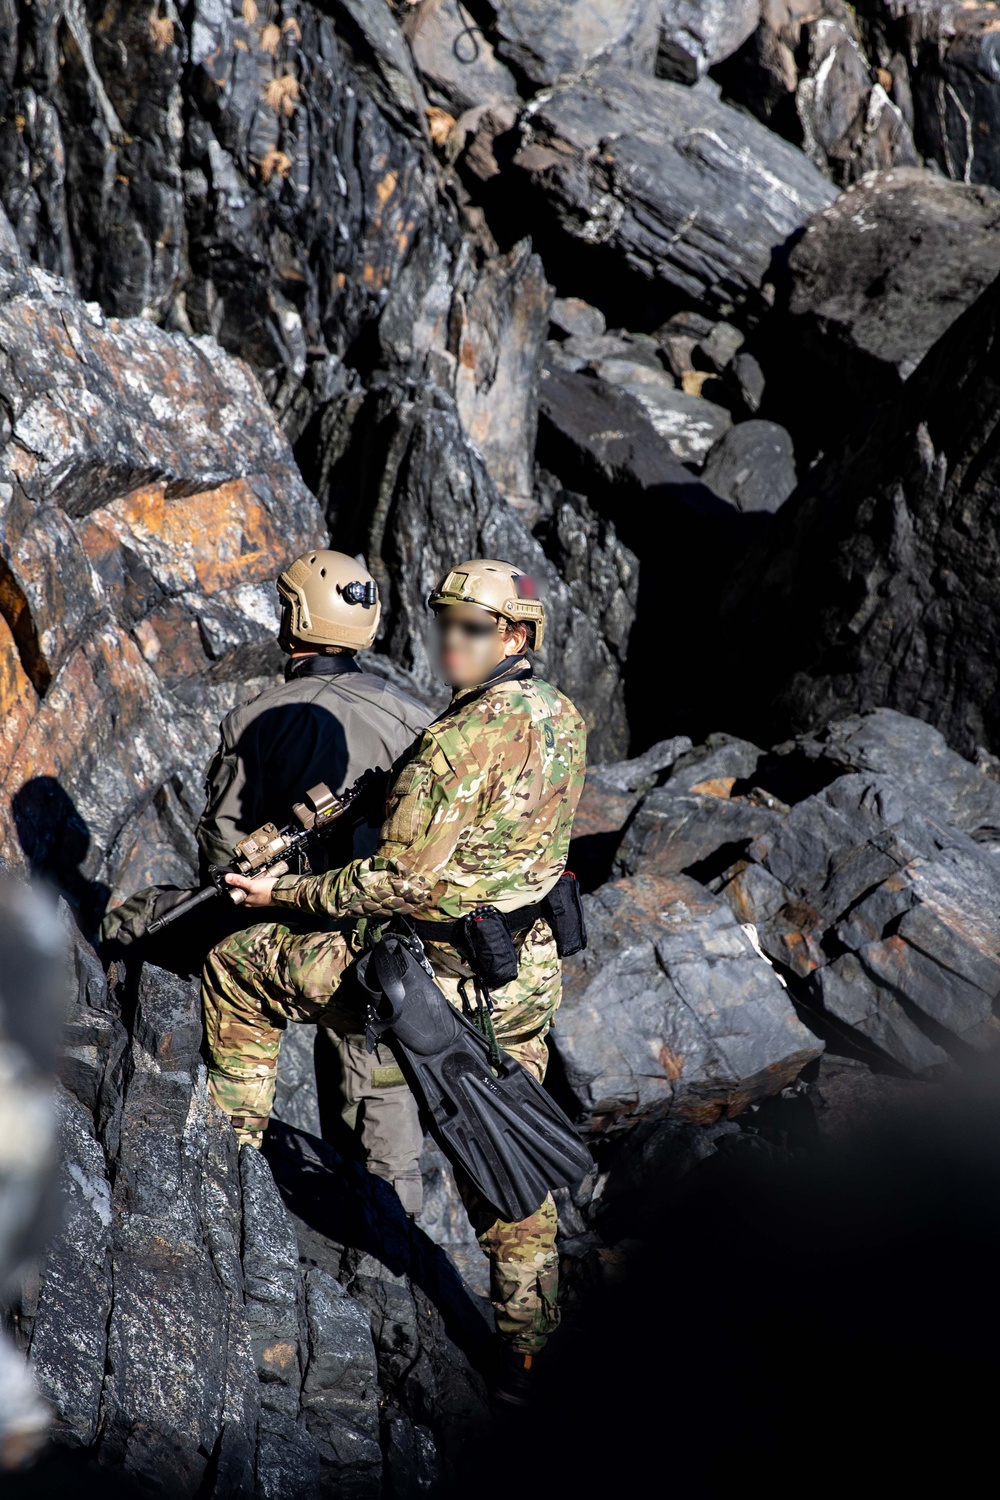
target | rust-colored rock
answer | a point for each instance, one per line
(147, 501)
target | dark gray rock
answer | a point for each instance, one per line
(750, 380)
(670, 1011)
(569, 316)
(942, 58)
(850, 125)
(722, 757)
(700, 830)
(172, 169)
(689, 425)
(546, 43)
(295, 1099)
(753, 465)
(874, 282)
(877, 585)
(601, 573)
(694, 34)
(887, 916)
(914, 755)
(69, 1333)
(849, 1100)
(591, 430)
(638, 774)
(340, 1393)
(694, 200)
(455, 58)
(32, 958)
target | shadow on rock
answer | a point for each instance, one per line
(55, 841)
(794, 1313)
(353, 1210)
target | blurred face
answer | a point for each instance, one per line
(473, 642)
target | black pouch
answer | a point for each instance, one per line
(487, 941)
(564, 914)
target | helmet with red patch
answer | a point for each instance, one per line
(498, 587)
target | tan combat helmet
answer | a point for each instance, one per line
(330, 600)
(496, 586)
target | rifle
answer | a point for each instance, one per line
(269, 848)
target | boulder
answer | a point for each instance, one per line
(874, 282)
(886, 916)
(571, 315)
(544, 43)
(659, 191)
(878, 583)
(32, 984)
(808, 72)
(689, 425)
(753, 465)
(455, 58)
(702, 818)
(593, 432)
(695, 34)
(611, 794)
(670, 1012)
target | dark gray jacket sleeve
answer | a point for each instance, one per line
(225, 781)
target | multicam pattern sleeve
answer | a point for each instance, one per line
(481, 812)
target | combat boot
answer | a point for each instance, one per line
(513, 1385)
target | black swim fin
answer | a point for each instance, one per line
(501, 1127)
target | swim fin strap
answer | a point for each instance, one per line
(500, 1127)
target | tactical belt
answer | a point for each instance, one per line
(518, 923)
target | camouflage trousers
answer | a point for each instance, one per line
(259, 979)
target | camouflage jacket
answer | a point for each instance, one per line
(479, 812)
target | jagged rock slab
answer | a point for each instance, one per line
(546, 43)
(170, 167)
(878, 582)
(591, 430)
(943, 59)
(915, 756)
(874, 282)
(850, 125)
(680, 191)
(670, 1011)
(889, 916)
(611, 794)
(140, 534)
(695, 34)
(172, 1325)
(699, 833)
(32, 986)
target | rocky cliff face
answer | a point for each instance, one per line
(688, 310)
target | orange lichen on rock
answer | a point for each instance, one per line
(212, 540)
(18, 699)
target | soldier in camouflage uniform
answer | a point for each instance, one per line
(480, 812)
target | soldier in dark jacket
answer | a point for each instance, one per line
(329, 721)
